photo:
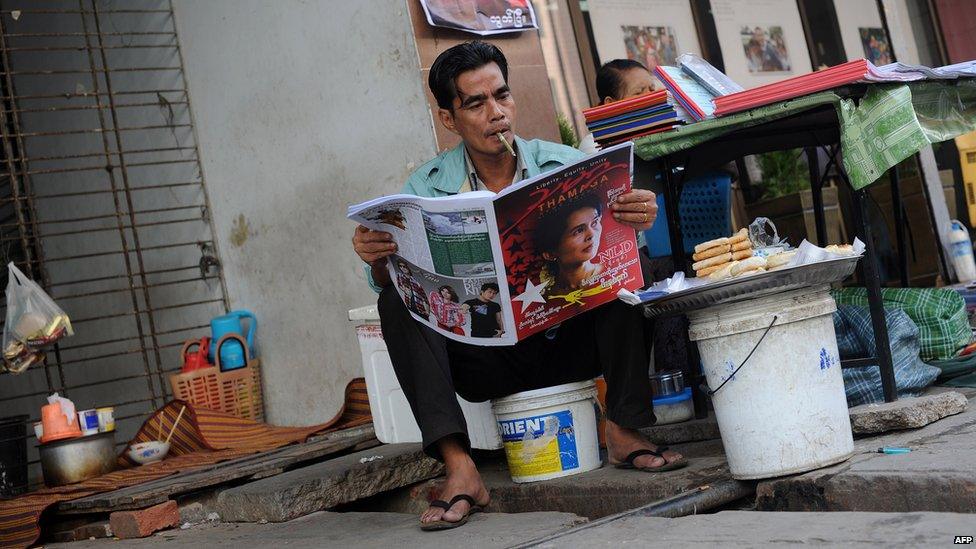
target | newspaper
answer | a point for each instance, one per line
(493, 269)
(908, 73)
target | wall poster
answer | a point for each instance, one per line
(862, 31)
(653, 32)
(762, 41)
(483, 17)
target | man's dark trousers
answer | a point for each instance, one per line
(613, 340)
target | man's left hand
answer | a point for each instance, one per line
(637, 209)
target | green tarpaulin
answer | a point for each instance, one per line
(889, 124)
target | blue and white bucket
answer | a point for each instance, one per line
(784, 411)
(549, 433)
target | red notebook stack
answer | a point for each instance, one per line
(631, 118)
(839, 75)
(625, 105)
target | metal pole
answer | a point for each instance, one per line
(672, 197)
(37, 251)
(816, 191)
(206, 194)
(869, 271)
(120, 225)
(930, 208)
(899, 220)
(129, 203)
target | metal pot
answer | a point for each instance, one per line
(667, 383)
(77, 459)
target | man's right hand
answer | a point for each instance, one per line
(374, 247)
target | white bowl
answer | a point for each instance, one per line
(148, 452)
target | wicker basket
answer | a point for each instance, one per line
(237, 392)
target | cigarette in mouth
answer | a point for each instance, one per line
(505, 142)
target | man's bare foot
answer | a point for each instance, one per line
(462, 478)
(622, 441)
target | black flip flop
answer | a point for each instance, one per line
(628, 462)
(446, 505)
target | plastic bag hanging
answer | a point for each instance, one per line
(33, 322)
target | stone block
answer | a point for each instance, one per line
(694, 430)
(95, 530)
(325, 485)
(906, 413)
(594, 494)
(144, 522)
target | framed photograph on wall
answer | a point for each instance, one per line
(653, 32)
(862, 31)
(762, 41)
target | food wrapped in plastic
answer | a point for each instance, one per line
(33, 321)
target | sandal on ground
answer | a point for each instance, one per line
(628, 462)
(446, 506)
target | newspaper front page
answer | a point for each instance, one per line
(491, 269)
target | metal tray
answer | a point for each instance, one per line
(749, 287)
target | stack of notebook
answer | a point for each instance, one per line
(712, 79)
(695, 85)
(859, 70)
(631, 118)
(694, 98)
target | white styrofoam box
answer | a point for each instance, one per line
(392, 418)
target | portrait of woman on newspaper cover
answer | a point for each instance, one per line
(568, 238)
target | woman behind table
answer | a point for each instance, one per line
(446, 309)
(568, 239)
(616, 80)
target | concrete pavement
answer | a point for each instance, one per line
(939, 474)
(753, 529)
(359, 530)
(488, 530)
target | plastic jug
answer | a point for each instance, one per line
(962, 252)
(196, 359)
(232, 354)
(222, 343)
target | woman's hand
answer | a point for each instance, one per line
(637, 209)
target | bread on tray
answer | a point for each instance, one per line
(776, 261)
(715, 258)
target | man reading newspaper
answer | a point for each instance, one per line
(470, 84)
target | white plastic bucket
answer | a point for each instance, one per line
(549, 433)
(785, 411)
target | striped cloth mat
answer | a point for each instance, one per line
(203, 437)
